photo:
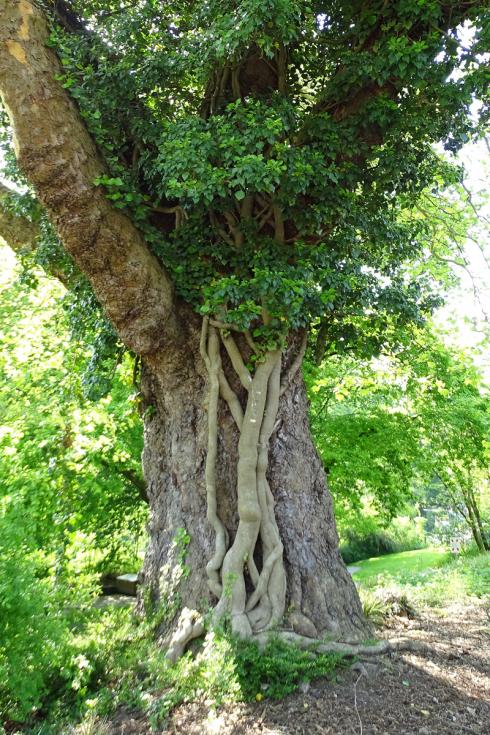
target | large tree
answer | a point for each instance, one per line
(228, 175)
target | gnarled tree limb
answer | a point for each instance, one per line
(59, 158)
(21, 234)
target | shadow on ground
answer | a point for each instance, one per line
(443, 691)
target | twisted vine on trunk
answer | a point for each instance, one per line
(248, 573)
(231, 565)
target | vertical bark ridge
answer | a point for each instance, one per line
(321, 599)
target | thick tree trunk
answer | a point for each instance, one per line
(59, 158)
(321, 597)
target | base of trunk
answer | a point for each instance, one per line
(321, 599)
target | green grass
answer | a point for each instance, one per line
(426, 578)
(400, 566)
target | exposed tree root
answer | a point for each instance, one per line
(190, 625)
(345, 649)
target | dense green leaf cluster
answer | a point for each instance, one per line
(388, 429)
(366, 434)
(70, 505)
(70, 465)
(275, 153)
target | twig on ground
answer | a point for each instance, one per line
(355, 703)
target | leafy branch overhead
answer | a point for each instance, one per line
(275, 154)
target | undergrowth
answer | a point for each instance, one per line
(119, 663)
(113, 659)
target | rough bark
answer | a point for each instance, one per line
(321, 597)
(59, 158)
(16, 231)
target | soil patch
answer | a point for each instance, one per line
(444, 690)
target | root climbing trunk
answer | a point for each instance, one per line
(227, 573)
(228, 456)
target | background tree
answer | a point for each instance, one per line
(68, 467)
(451, 406)
(388, 428)
(271, 155)
(364, 432)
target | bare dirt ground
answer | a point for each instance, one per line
(444, 690)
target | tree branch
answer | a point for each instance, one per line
(129, 474)
(59, 158)
(18, 232)
(21, 234)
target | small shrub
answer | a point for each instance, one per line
(33, 637)
(91, 725)
(368, 539)
(40, 608)
(278, 668)
(381, 604)
(376, 543)
(374, 607)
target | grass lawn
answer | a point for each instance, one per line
(400, 566)
(430, 577)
